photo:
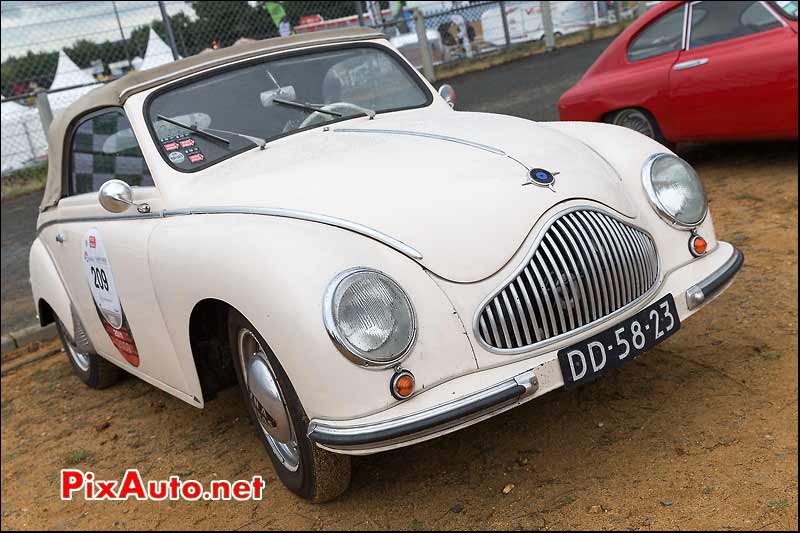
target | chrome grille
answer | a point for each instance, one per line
(586, 266)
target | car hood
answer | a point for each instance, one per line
(449, 184)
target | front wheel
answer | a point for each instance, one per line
(92, 369)
(281, 423)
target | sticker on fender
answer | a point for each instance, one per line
(105, 296)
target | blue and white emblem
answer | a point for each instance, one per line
(542, 178)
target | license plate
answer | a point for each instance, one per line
(590, 358)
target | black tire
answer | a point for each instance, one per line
(639, 120)
(320, 475)
(92, 369)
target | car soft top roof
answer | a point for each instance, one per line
(116, 92)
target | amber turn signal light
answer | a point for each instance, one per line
(402, 384)
(698, 245)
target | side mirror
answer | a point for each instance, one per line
(116, 196)
(449, 94)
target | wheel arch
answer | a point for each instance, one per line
(208, 339)
(609, 115)
(50, 296)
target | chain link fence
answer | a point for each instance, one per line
(63, 49)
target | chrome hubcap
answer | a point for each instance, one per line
(81, 359)
(267, 400)
(635, 120)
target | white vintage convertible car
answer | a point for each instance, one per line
(309, 217)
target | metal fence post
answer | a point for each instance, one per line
(28, 138)
(641, 7)
(168, 26)
(45, 113)
(122, 34)
(547, 24)
(424, 47)
(504, 18)
(360, 11)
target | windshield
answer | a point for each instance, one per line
(788, 8)
(208, 120)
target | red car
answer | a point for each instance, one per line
(697, 71)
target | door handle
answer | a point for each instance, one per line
(691, 64)
(59, 238)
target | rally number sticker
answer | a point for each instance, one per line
(105, 296)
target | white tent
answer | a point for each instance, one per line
(157, 53)
(68, 75)
(22, 137)
(9, 109)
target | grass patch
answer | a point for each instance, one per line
(778, 504)
(24, 181)
(77, 456)
(416, 525)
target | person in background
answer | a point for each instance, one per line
(279, 18)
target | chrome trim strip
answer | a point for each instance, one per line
(355, 227)
(427, 421)
(613, 304)
(491, 149)
(103, 218)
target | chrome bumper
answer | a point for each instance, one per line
(696, 295)
(431, 420)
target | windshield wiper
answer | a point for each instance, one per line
(306, 107)
(258, 141)
(195, 130)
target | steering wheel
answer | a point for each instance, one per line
(316, 116)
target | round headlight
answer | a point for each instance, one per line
(369, 316)
(675, 190)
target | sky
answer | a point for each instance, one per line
(50, 25)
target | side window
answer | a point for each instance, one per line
(661, 36)
(104, 148)
(714, 22)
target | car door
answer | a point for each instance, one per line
(737, 79)
(102, 257)
(651, 53)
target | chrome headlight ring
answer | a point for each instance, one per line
(654, 196)
(364, 293)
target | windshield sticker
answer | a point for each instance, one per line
(196, 158)
(186, 143)
(170, 146)
(176, 157)
(105, 296)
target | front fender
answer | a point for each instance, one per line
(627, 151)
(47, 286)
(275, 272)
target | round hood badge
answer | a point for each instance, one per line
(542, 178)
